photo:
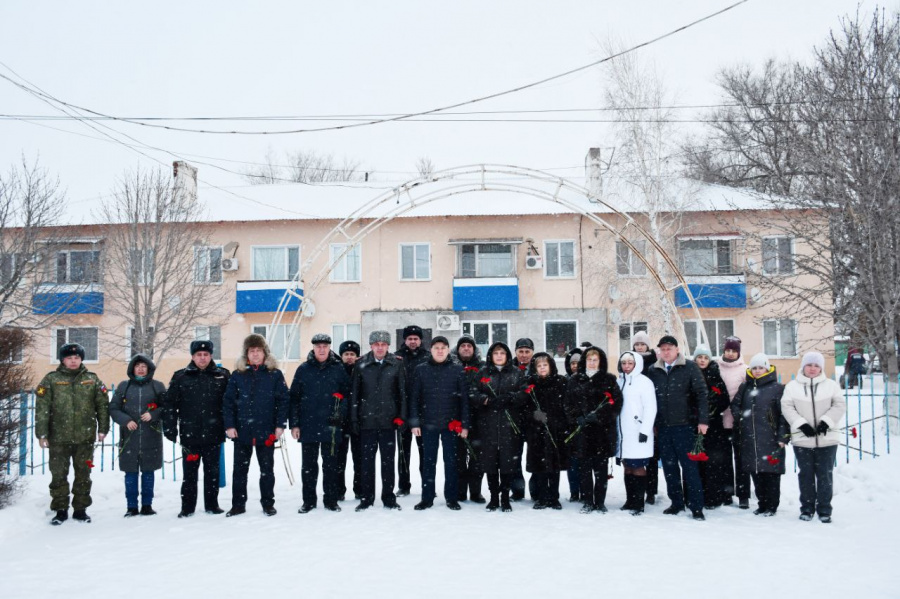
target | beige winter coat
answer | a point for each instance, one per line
(811, 401)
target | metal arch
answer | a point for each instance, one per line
(369, 211)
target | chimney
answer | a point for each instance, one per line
(592, 173)
(185, 177)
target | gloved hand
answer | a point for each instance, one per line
(642, 438)
(807, 430)
(334, 421)
(822, 428)
(591, 419)
(540, 416)
(171, 436)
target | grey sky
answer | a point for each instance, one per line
(300, 58)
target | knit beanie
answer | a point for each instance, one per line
(702, 350)
(812, 357)
(760, 360)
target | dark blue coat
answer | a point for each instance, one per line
(256, 402)
(313, 401)
(440, 393)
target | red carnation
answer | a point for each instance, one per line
(612, 403)
(773, 461)
(853, 432)
(455, 426)
(90, 463)
(271, 440)
(523, 366)
(151, 407)
(471, 369)
(529, 389)
(716, 390)
(193, 457)
(398, 421)
(485, 380)
(337, 396)
(609, 477)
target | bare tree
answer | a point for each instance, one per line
(31, 205)
(13, 379)
(833, 155)
(151, 255)
(425, 166)
(305, 166)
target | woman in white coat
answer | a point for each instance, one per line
(635, 428)
(814, 407)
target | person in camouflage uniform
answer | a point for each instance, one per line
(72, 409)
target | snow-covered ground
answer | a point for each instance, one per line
(471, 553)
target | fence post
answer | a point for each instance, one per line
(23, 432)
(222, 481)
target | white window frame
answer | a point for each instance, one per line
(558, 242)
(778, 322)
(561, 321)
(336, 249)
(202, 333)
(633, 261)
(338, 338)
(733, 252)
(142, 275)
(631, 328)
(778, 266)
(513, 259)
(255, 328)
(713, 342)
(287, 261)
(471, 332)
(54, 350)
(413, 245)
(69, 252)
(206, 280)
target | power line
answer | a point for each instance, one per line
(408, 116)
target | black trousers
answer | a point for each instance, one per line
(653, 468)
(816, 478)
(381, 440)
(209, 455)
(349, 445)
(741, 478)
(594, 477)
(518, 479)
(768, 490)
(468, 471)
(404, 462)
(546, 486)
(265, 457)
(309, 473)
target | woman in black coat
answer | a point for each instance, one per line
(718, 480)
(545, 429)
(135, 407)
(593, 404)
(498, 401)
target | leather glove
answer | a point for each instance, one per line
(591, 419)
(807, 430)
(540, 416)
(334, 421)
(822, 428)
(642, 438)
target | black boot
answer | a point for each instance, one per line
(81, 516)
(504, 501)
(639, 488)
(629, 492)
(60, 517)
(130, 512)
(494, 504)
(147, 510)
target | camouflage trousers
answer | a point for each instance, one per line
(80, 454)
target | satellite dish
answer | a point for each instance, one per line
(309, 308)
(230, 247)
(751, 264)
(755, 295)
(615, 316)
(614, 292)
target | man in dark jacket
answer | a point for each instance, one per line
(319, 398)
(193, 407)
(524, 352)
(412, 354)
(469, 473)
(440, 396)
(378, 407)
(349, 352)
(680, 395)
(256, 407)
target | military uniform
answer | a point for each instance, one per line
(71, 407)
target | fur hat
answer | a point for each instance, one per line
(254, 340)
(71, 349)
(349, 346)
(412, 330)
(321, 338)
(380, 337)
(812, 357)
(202, 345)
(466, 339)
(640, 337)
(702, 350)
(760, 360)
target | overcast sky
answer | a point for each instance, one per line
(202, 59)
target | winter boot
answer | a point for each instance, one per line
(639, 488)
(504, 502)
(147, 510)
(60, 517)
(629, 492)
(494, 504)
(130, 512)
(587, 507)
(81, 516)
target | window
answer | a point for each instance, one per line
(213, 334)
(207, 265)
(778, 255)
(559, 259)
(626, 332)
(78, 266)
(15, 356)
(8, 265)
(344, 332)
(133, 344)
(708, 256)
(277, 263)
(86, 337)
(780, 337)
(486, 260)
(486, 333)
(560, 337)
(278, 338)
(627, 264)
(716, 332)
(141, 267)
(347, 267)
(415, 262)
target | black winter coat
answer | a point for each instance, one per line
(410, 360)
(313, 401)
(141, 449)
(681, 396)
(495, 408)
(583, 396)
(546, 452)
(717, 395)
(440, 393)
(757, 414)
(194, 406)
(378, 392)
(256, 402)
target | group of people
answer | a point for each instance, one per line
(714, 425)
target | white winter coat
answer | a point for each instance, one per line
(638, 412)
(733, 374)
(810, 401)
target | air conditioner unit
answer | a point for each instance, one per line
(533, 262)
(447, 322)
(229, 264)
